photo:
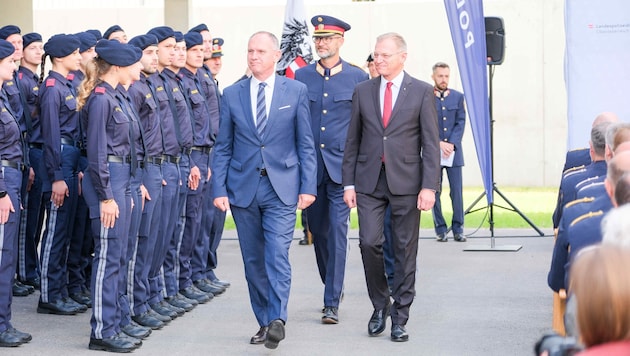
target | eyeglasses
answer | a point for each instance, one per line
(384, 56)
(325, 40)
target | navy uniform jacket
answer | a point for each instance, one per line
(579, 227)
(172, 81)
(29, 86)
(12, 91)
(148, 111)
(169, 136)
(568, 191)
(213, 98)
(576, 158)
(107, 134)
(201, 127)
(132, 113)
(59, 119)
(330, 101)
(10, 144)
(452, 118)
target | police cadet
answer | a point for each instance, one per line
(330, 83)
(11, 89)
(183, 125)
(106, 185)
(81, 239)
(10, 186)
(449, 104)
(28, 82)
(204, 257)
(60, 128)
(115, 32)
(203, 140)
(215, 62)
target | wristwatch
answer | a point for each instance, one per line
(3, 194)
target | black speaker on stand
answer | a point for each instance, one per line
(495, 51)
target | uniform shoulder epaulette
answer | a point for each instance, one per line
(573, 170)
(50, 82)
(355, 65)
(588, 215)
(70, 76)
(578, 201)
(99, 90)
(20, 75)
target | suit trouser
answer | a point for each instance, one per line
(328, 217)
(135, 288)
(265, 231)
(108, 270)
(56, 239)
(455, 182)
(405, 234)
(170, 174)
(388, 253)
(28, 263)
(9, 245)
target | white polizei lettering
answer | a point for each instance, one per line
(464, 23)
(460, 3)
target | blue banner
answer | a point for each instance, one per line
(467, 23)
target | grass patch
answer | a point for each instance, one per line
(536, 203)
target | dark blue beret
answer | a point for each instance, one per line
(111, 30)
(87, 41)
(193, 39)
(328, 26)
(118, 54)
(162, 33)
(217, 44)
(9, 30)
(6, 49)
(144, 41)
(179, 37)
(96, 33)
(62, 45)
(29, 38)
(199, 28)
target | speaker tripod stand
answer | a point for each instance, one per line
(495, 189)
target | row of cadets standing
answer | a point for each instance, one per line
(12, 164)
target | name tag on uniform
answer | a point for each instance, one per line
(284, 107)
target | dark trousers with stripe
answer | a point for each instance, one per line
(135, 287)
(171, 267)
(202, 247)
(81, 244)
(9, 245)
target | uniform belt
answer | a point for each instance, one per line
(118, 159)
(203, 149)
(69, 142)
(155, 159)
(16, 165)
(140, 164)
(171, 159)
(263, 172)
(187, 151)
(36, 145)
(83, 152)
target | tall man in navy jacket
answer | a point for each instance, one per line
(449, 104)
(330, 82)
(264, 168)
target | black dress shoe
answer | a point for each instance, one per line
(137, 331)
(164, 311)
(30, 289)
(35, 282)
(80, 308)
(192, 292)
(25, 337)
(178, 303)
(81, 298)
(221, 283)
(58, 307)
(9, 339)
(19, 290)
(260, 336)
(163, 318)
(441, 238)
(275, 334)
(180, 296)
(460, 238)
(135, 341)
(399, 333)
(205, 285)
(330, 316)
(378, 320)
(179, 311)
(147, 320)
(115, 343)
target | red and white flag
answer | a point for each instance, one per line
(296, 43)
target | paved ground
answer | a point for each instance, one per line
(468, 303)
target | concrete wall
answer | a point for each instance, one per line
(529, 95)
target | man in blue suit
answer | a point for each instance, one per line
(449, 104)
(264, 169)
(330, 82)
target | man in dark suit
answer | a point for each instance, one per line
(330, 81)
(392, 156)
(264, 168)
(449, 105)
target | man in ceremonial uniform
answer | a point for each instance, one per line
(330, 83)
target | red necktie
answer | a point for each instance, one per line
(387, 104)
